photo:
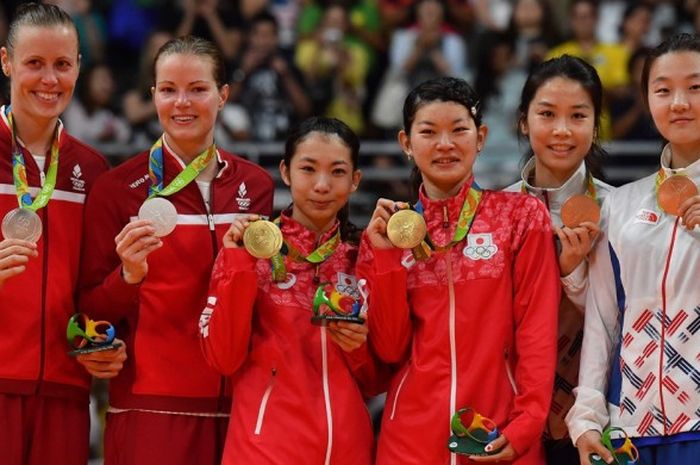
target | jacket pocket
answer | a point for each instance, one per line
(398, 393)
(509, 372)
(263, 403)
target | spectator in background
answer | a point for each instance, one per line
(130, 24)
(428, 49)
(266, 84)
(137, 103)
(92, 29)
(493, 15)
(534, 32)
(335, 69)
(92, 117)
(604, 57)
(629, 115)
(634, 27)
(4, 82)
(213, 20)
(286, 13)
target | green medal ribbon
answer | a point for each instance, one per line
(318, 256)
(186, 176)
(590, 188)
(19, 170)
(464, 224)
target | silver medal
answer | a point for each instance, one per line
(161, 212)
(22, 224)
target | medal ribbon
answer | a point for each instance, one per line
(464, 223)
(660, 178)
(19, 170)
(186, 176)
(590, 188)
(318, 256)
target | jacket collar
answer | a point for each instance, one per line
(300, 237)
(555, 197)
(441, 216)
(692, 170)
(174, 161)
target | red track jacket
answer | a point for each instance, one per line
(158, 317)
(474, 326)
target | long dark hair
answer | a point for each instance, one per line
(442, 89)
(331, 126)
(578, 70)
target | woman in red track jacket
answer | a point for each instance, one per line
(474, 324)
(167, 405)
(295, 385)
(44, 393)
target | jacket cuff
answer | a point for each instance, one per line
(386, 260)
(522, 432)
(576, 280)
(120, 291)
(589, 412)
(238, 259)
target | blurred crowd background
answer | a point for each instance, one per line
(356, 60)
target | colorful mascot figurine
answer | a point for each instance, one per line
(472, 433)
(85, 335)
(339, 306)
(626, 454)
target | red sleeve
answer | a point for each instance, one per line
(390, 326)
(536, 302)
(226, 322)
(102, 291)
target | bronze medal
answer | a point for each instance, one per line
(578, 209)
(406, 229)
(262, 239)
(674, 191)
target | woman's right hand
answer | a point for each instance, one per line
(589, 443)
(14, 256)
(134, 243)
(376, 229)
(233, 238)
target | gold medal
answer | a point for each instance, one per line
(674, 191)
(406, 229)
(578, 209)
(262, 239)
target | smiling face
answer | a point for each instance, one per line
(674, 99)
(560, 126)
(43, 69)
(321, 178)
(444, 142)
(187, 101)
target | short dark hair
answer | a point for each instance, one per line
(682, 42)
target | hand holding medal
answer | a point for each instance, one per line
(134, 243)
(377, 228)
(677, 195)
(14, 256)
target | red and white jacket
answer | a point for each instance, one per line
(35, 306)
(298, 395)
(165, 370)
(473, 326)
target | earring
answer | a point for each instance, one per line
(409, 157)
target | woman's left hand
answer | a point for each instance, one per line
(349, 336)
(105, 364)
(690, 212)
(506, 454)
(576, 243)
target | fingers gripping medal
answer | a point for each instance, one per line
(626, 454)
(262, 239)
(674, 191)
(85, 335)
(578, 209)
(471, 433)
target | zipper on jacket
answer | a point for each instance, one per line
(445, 217)
(398, 392)
(509, 373)
(327, 395)
(44, 278)
(663, 324)
(263, 403)
(453, 346)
